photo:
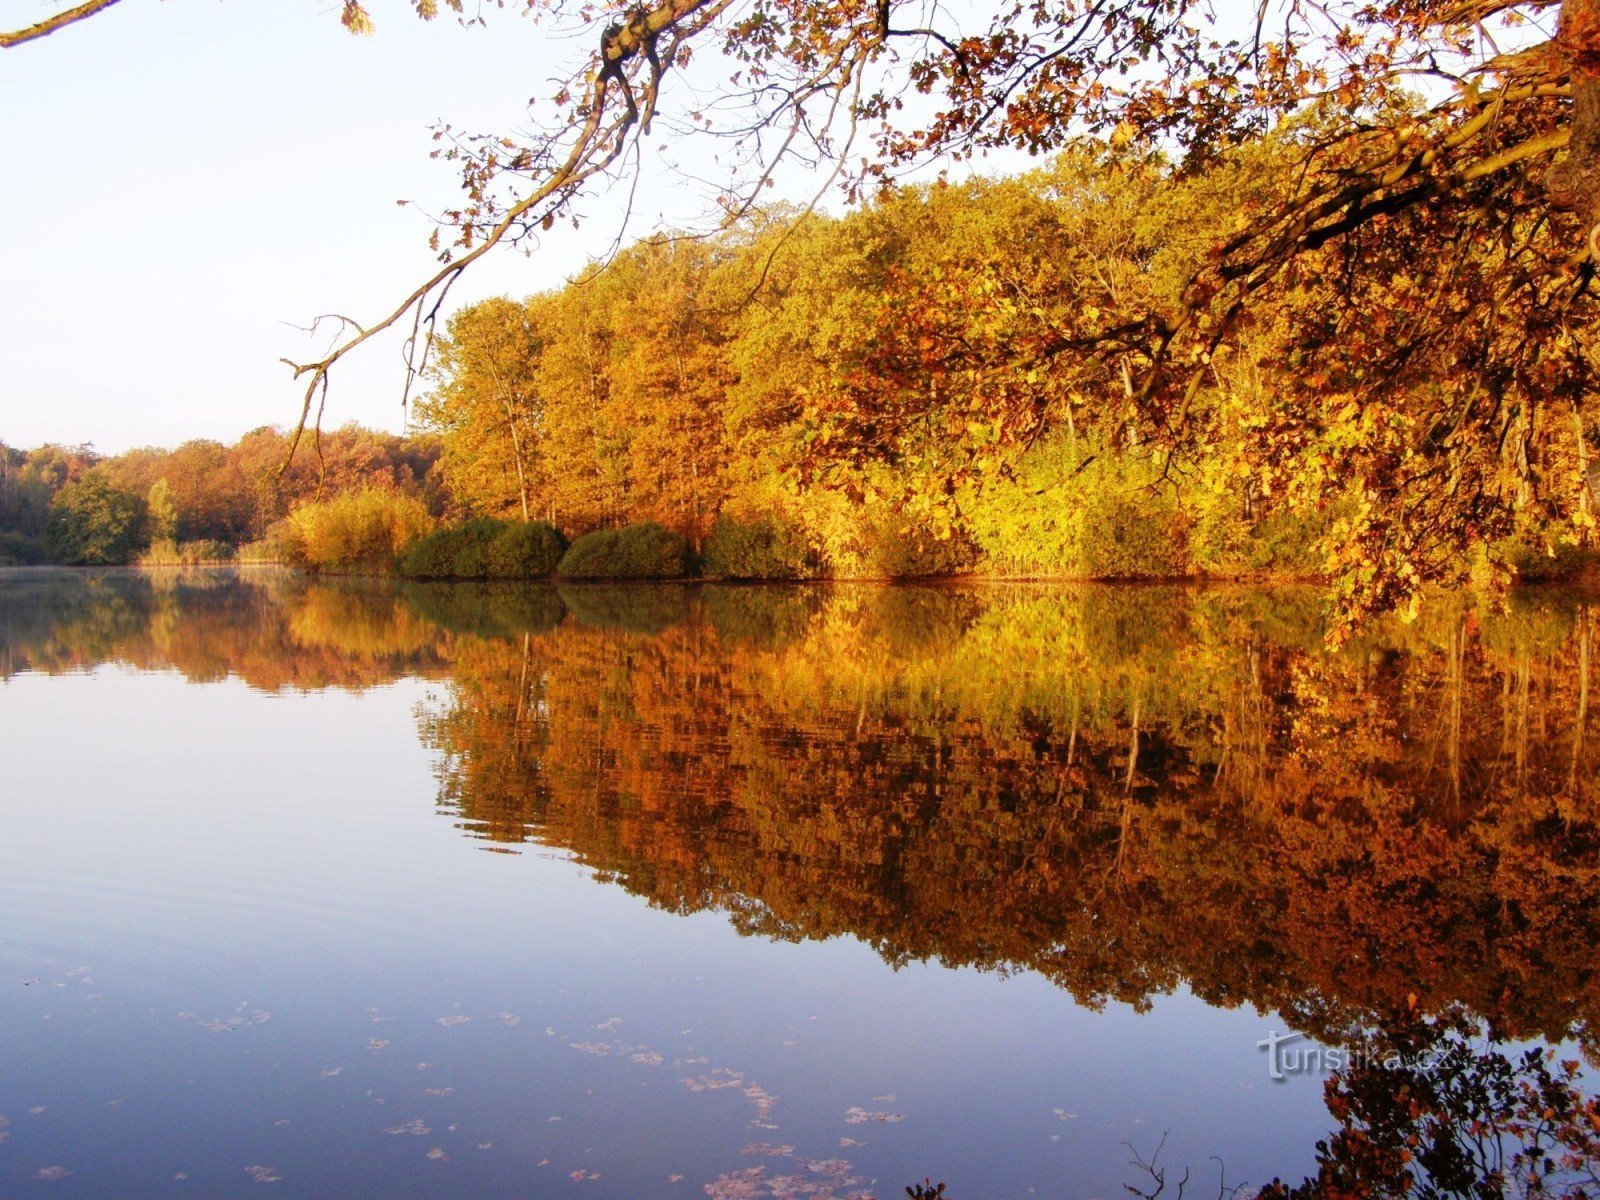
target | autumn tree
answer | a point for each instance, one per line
(668, 381)
(488, 408)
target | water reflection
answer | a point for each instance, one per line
(1393, 846)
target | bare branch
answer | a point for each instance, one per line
(49, 25)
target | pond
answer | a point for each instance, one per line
(358, 889)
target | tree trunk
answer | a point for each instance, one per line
(1574, 184)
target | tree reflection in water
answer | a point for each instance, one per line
(1436, 1108)
(1394, 846)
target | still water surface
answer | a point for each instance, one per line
(330, 890)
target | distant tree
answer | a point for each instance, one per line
(163, 511)
(29, 481)
(92, 521)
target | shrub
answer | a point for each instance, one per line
(487, 549)
(270, 549)
(647, 551)
(525, 550)
(434, 556)
(18, 549)
(168, 553)
(866, 537)
(1287, 538)
(1127, 532)
(363, 531)
(764, 548)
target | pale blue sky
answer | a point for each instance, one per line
(183, 177)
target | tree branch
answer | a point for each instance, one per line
(49, 25)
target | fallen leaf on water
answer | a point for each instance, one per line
(860, 1116)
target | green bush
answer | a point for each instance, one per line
(647, 551)
(761, 549)
(1285, 539)
(1127, 532)
(18, 549)
(434, 556)
(487, 549)
(524, 550)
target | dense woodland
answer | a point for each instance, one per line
(921, 387)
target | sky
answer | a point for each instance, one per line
(185, 181)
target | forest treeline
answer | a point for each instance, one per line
(932, 384)
(202, 501)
